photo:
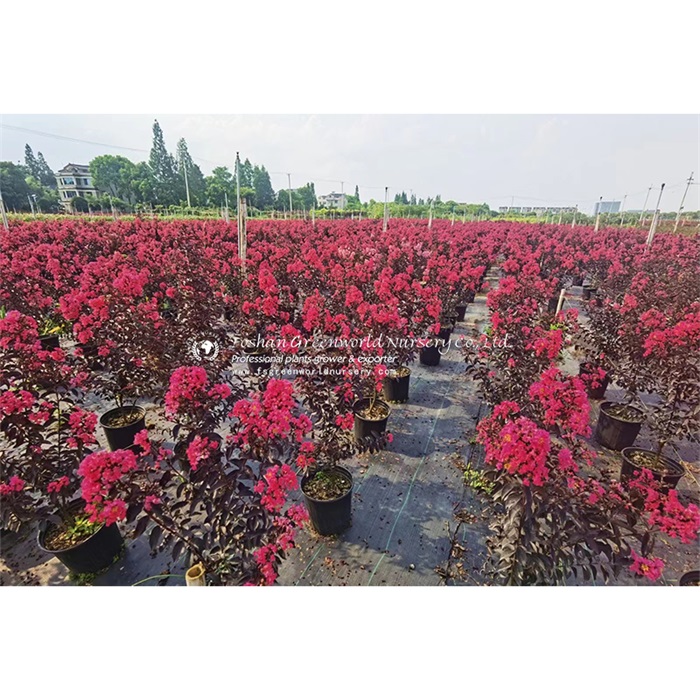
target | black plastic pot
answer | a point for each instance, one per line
(577, 281)
(49, 342)
(257, 364)
(461, 311)
(470, 295)
(599, 392)
(615, 433)
(396, 388)
(667, 480)
(430, 356)
(91, 356)
(122, 437)
(445, 331)
(690, 578)
(588, 292)
(365, 427)
(94, 554)
(330, 517)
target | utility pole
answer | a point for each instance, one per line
(644, 209)
(225, 211)
(680, 209)
(242, 243)
(597, 218)
(3, 213)
(187, 184)
(289, 181)
(453, 219)
(622, 213)
(573, 220)
(655, 218)
(430, 216)
(386, 208)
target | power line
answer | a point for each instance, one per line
(73, 139)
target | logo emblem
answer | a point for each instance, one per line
(205, 349)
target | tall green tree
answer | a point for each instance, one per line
(218, 185)
(46, 174)
(195, 177)
(114, 175)
(163, 168)
(13, 186)
(264, 194)
(245, 171)
(30, 161)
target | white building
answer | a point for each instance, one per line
(333, 201)
(74, 181)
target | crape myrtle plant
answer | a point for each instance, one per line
(554, 522)
(522, 339)
(231, 512)
(672, 359)
(44, 433)
(197, 404)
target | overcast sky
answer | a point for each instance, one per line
(537, 159)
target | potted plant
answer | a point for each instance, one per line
(672, 360)
(595, 378)
(690, 578)
(371, 413)
(47, 435)
(328, 498)
(232, 516)
(618, 425)
(197, 405)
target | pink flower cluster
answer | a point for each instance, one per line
(275, 485)
(200, 449)
(99, 473)
(516, 445)
(82, 426)
(189, 391)
(563, 401)
(58, 485)
(269, 414)
(14, 485)
(650, 568)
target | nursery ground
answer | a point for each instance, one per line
(415, 522)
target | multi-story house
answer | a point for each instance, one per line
(74, 181)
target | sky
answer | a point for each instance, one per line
(525, 160)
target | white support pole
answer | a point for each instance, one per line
(3, 213)
(644, 208)
(187, 184)
(386, 209)
(655, 218)
(573, 220)
(430, 216)
(597, 218)
(680, 209)
(560, 303)
(622, 213)
(289, 181)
